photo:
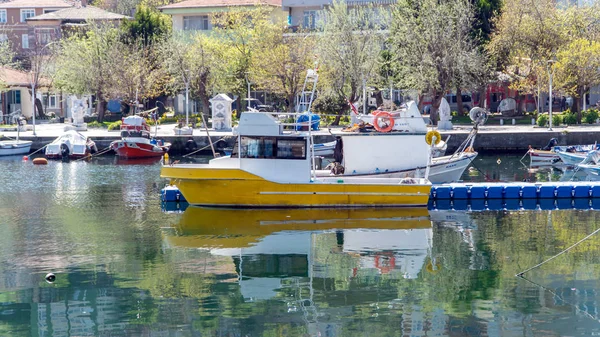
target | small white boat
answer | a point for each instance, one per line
(14, 147)
(70, 145)
(571, 158)
(550, 153)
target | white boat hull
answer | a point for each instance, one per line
(572, 158)
(14, 147)
(443, 169)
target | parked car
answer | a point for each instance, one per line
(258, 105)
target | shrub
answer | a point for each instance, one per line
(96, 125)
(570, 119)
(114, 126)
(591, 116)
(330, 105)
(542, 120)
(556, 120)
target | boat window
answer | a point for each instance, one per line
(291, 148)
(271, 148)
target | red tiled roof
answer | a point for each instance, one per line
(14, 78)
(17, 78)
(81, 14)
(36, 4)
(220, 3)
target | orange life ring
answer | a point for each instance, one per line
(382, 115)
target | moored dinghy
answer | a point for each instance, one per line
(271, 167)
(136, 141)
(70, 145)
(13, 147)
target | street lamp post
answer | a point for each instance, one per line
(550, 75)
(187, 102)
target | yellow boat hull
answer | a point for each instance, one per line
(201, 227)
(238, 188)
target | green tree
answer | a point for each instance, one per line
(527, 35)
(86, 64)
(434, 49)
(348, 48)
(578, 69)
(282, 66)
(148, 25)
(200, 61)
(242, 31)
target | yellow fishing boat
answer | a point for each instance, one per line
(271, 167)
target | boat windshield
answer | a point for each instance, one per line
(270, 148)
(134, 133)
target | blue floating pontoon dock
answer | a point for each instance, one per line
(516, 191)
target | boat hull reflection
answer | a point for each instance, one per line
(238, 228)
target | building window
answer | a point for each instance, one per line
(44, 37)
(49, 101)
(271, 148)
(27, 13)
(46, 11)
(3, 38)
(25, 41)
(310, 19)
(2, 15)
(200, 22)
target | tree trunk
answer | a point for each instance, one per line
(459, 102)
(521, 105)
(420, 103)
(100, 105)
(291, 106)
(580, 93)
(435, 106)
(378, 99)
(482, 103)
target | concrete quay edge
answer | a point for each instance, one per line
(490, 139)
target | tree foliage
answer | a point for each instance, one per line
(100, 62)
(434, 50)
(531, 35)
(198, 60)
(148, 26)
(242, 32)
(281, 66)
(349, 45)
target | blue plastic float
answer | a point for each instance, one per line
(515, 191)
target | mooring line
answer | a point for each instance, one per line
(557, 255)
(99, 153)
(562, 299)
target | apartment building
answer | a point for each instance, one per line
(195, 15)
(13, 21)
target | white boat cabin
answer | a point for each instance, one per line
(265, 149)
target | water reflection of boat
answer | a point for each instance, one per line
(283, 253)
(238, 228)
(136, 161)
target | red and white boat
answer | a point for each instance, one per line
(136, 141)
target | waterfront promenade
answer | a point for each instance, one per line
(491, 138)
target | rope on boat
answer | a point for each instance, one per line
(585, 313)
(557, 255)
(40, 149)
(526, 153)
(99, 153)
(204, 148)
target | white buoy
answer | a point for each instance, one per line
(50, 277)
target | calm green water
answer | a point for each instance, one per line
(125, 268)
